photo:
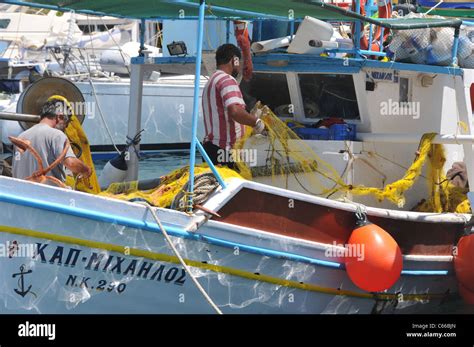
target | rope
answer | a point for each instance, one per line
(95, 94)
(133, 142)
(204, 185)
(181, 260)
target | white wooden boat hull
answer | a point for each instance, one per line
(89, 262)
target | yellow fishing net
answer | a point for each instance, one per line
(169, 187)
(77, 136)
(287, 156)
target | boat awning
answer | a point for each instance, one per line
(246, 9)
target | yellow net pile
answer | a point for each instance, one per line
(170, 186)
(287, 157)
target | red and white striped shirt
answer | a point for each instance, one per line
(220, 92)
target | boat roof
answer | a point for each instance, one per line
(245, 9)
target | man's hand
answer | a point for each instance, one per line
(77, 167)
(88, 173)
(259, 127)
(458, 175)
(257, 112)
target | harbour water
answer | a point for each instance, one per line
(156, 164)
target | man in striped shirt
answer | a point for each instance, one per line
(224, 108)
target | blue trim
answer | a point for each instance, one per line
(369, 53)
(165, 60)
(314, 63)
(317, 64)
(178, 232)
(153, 227)
(306, 63)
(447, 70)
(425, 272)
(272, 253)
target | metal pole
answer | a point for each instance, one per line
(456, 46)
(19, 117)
(358, 25)
(197, 80)
(292, 29)
(227, 31)
(134, 118)
(142, 38)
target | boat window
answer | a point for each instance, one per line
(4, 46)
(271, 89)
(4, 23)
(404, 90)
(8, 86)
(329, 96)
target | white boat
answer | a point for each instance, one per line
(95, 53)
(273, 249)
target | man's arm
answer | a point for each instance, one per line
(240, 115)
(77, 167)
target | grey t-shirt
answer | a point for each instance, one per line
(49, 143)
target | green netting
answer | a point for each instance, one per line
(167, 8)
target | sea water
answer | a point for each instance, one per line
(156, 164)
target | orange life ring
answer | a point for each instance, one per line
(385, 11)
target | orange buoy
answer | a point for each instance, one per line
(466, 294)
(379, 264)
(464, 262)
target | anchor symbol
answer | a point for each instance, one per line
(21, 282)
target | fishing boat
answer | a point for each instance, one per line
(270, 246)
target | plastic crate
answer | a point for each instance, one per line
(312, 133)
(343, 132)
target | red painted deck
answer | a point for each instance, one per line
(276, 214)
